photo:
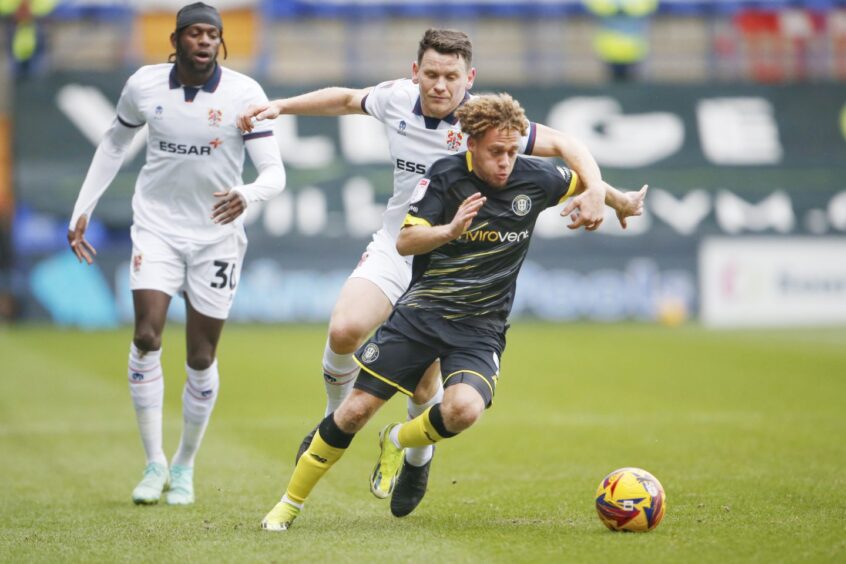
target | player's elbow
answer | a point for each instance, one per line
(114, 148)
(404, 247)
(404, 250)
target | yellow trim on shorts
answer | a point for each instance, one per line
(383, 379)
(414, 220)
(571, 188)
(485, 380)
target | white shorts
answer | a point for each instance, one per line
(207, 273)
(384, 266)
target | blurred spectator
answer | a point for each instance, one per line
(622, 40)
(23, 20)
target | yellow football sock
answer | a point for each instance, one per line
(418, 432)
(312, 465)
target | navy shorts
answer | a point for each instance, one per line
(396, 357)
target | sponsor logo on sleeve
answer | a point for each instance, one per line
(419, 191)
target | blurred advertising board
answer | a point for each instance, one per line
(733, 161)
(763, 282)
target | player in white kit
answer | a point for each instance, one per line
(418, 114)
(187, 231)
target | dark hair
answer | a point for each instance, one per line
(446, 42)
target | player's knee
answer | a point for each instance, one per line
(345, 335)
(460, 413)
(200, 360)
(146, 340)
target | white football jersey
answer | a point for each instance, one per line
(194, 147)
(415, 141)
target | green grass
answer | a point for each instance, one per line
(744, 429)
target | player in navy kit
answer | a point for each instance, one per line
(420, 121)
(469, 226)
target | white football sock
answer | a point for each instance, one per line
(146, 387)
(339, 374)
(198, 399)
(421, 455)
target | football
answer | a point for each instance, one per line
(630, 499)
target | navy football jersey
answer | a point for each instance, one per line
(473, 279)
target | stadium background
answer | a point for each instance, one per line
(737, 121)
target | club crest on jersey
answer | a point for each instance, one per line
(215, 117)
(521, 205)
(136, 262)
(402, 127)
(159, 110)
(454, 139)
(419, 191)
(370, 354)
(216, 142)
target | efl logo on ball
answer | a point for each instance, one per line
(630, 499)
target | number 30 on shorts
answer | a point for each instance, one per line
(225, 275)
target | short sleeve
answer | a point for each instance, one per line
(527, 142)
(255, 96)
(378, 100)
(129, 113)
(561, 185)
(426, 206)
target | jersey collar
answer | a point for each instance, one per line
(191, 91)
(432, 122)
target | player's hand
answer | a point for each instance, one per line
(76, 239)
(465, 214)
(632, 205)
(586, 210)
(230, 205)
(259, 112)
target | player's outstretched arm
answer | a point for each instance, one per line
(626, 204)
(421, 239)
(591, 202)
(333, 101)
(270, 182)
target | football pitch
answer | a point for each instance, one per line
(745, 430)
